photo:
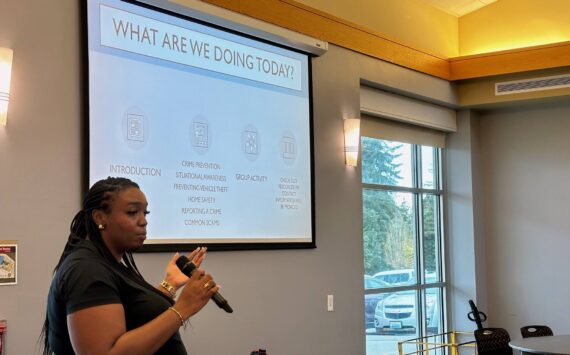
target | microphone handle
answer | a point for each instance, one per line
(187, 267)
(222, 302)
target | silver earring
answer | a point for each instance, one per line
(101, 227)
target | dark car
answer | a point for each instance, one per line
(371, 300)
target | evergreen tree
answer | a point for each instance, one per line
(378, 165)
(388, 233)
(429, 224)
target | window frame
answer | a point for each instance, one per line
(418, 191)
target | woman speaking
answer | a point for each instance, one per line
(98, 302)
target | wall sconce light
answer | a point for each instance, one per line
(351, 140)
(5, 74)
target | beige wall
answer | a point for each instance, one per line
(508, 24)
(505, 24)
(525, 174)
(480, 92)
(279, 296)
(409, 22)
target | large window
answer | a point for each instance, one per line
(404, 284)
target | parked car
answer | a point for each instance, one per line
(371, 300)
(397, 277)
(397, 313)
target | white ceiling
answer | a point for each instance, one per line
(459, 7)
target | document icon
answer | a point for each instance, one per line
(135, 127)
(200, 134)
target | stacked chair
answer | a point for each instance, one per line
(493, 341)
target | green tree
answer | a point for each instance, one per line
(429, 225)
(388, 231)
(378, 162)
(399, 251)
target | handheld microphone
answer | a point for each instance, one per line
(187, 267)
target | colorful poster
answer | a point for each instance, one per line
(8, 263)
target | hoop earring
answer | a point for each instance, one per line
(101, 227)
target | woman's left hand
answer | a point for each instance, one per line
(174, 275)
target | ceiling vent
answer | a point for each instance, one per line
(537, 84)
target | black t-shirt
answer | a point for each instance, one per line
(86, 279)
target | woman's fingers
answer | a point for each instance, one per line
(210, 288)
(209, 284)
(193, 253)
(198, 291)
(213, 289)
(174, 258)
(198, 255)
(204, 283)
(197, 274)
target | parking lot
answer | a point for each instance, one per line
(382, 344)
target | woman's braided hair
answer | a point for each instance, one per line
(99, 197)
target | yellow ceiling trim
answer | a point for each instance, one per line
(312, 22)
(510, 61)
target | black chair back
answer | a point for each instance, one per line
(493, 341)
(536, 331)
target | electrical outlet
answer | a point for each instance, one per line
(330, 303)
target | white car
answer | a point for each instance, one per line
(397, 277)
(397, 313)
(371, 300)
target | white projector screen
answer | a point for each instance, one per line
(214, 126)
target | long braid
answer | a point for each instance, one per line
(99, 197)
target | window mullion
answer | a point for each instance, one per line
(399, 202)
(416, 167)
